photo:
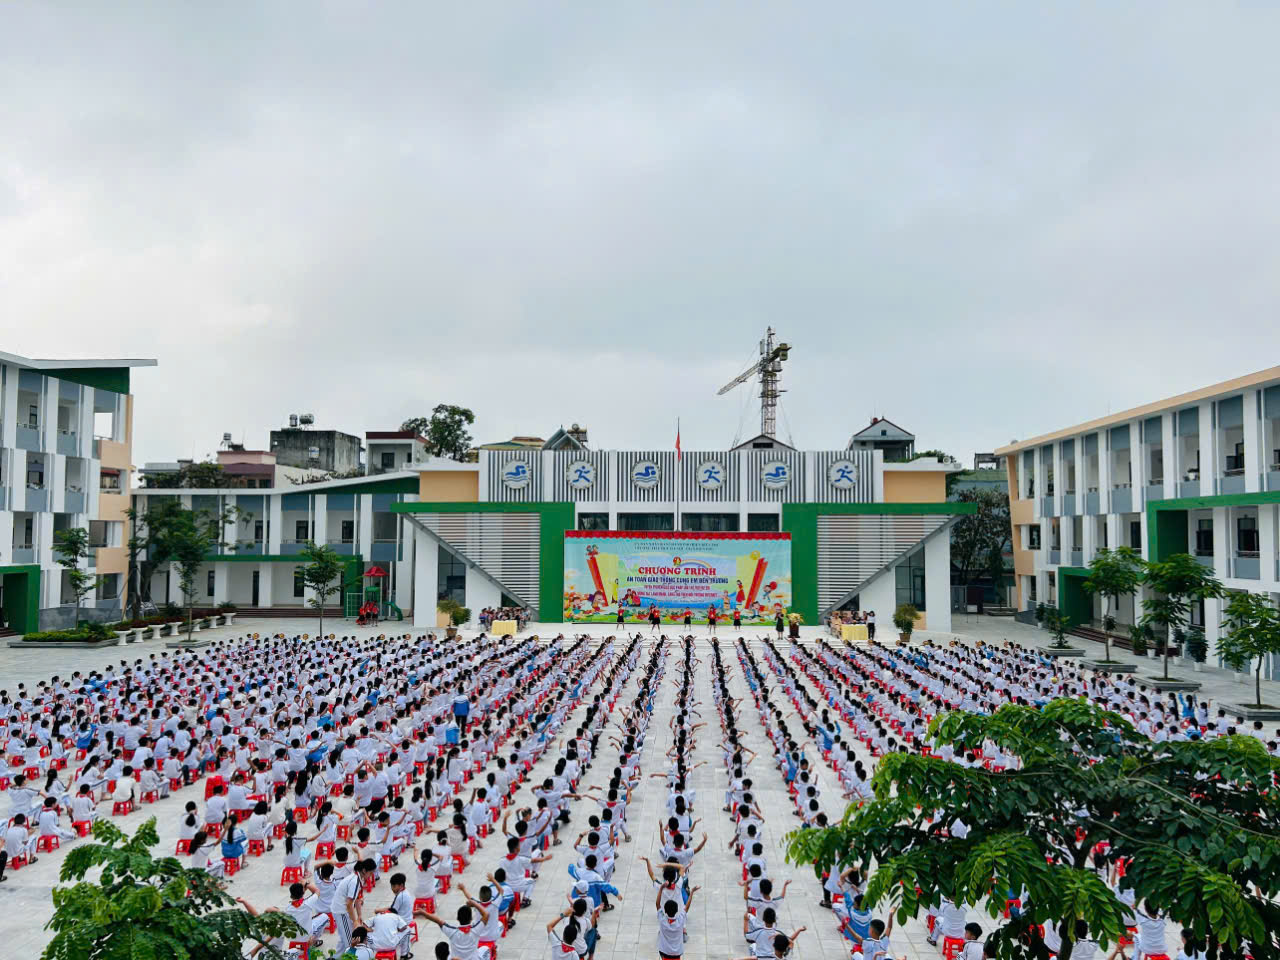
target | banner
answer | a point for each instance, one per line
(677, 574)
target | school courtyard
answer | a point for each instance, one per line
(715, 925)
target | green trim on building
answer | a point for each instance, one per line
(115, 379)
(1167, 519)
(390, 485)
(22, 596)
(249, 558)
(801, 521)
(1073, 599)
(554, 519)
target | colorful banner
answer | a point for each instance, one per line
(676, 574)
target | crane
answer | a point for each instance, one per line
(768, 367)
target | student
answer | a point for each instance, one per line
(972, 949)
(672, 917)
(877, 945)
(348, 904)
(464, 936)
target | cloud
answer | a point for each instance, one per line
(983, 221)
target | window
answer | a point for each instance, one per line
(98, 533)
(384, 527)
(762, 522)
(1135, 534)
(348, 532)
(709, 522)
(209, 581)
(451, 576)
(33, 417)
(909, 575)
(1247, 536)
(1031, 589)
(259, 530)
(593, 521)
(302, 530)
(1204, 538)
(108, 481)
(28, 529)
(389, 460)
(299, 587)
(1033, 537)
(1156, 470)
(109, 586)
(646, 521)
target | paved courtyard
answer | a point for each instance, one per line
(715, 925)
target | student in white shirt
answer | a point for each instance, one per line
(672, 917)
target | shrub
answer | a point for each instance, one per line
(459, 614)
(86, 633)
(904, 618)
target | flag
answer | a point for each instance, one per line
(677, 440)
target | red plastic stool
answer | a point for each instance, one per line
(83, 827)
(344, 831)
(230, 866)
(17, 863)
(290, 875)
(150, 796)
(424, 905)
(444, 883)
(324, 850)
(122, 808)
(951, 947)
(303, 947)
(277, 831)
(184, 846)
(257, 848)
(385, 955)
(413, 931)
(493, 948)
(300, 814)
(47, 844)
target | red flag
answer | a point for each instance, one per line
(677, 440)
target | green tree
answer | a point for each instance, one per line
(192, 536)
(1197, 818)
(1057, 623)
(148, 546)
(71, 550)
(143, 908)
(1176, 583)
(323, 574)
(977, 537)
(1252, 625)
(445, 430)
(1113, 574)
(197, 475)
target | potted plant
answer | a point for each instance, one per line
(904, 618)
(793, 625)
(448, 608)
(1041, 611)
(125, 631)
(1138, 639)
(1056, 622)
(1196, 648)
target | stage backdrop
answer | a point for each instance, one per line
(675, 572)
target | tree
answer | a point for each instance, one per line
(1176, 582)
(71, 549)
(148, 547)
(202, 475)
(976, 537)
(1113, 574)
(1197, 819)
(1057, 623)
(193, 535)
(141, 908)
(445, 430)
(1252, 625)
(323, 574)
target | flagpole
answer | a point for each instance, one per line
(679, 475)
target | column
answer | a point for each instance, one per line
(426, 575)
(1138, 457)
(49, 414)
(1104, 470)
(611, 490)
(365, 527)
(1209, 465)
(1169, 441)
(266, 580)
(877, 472)
(320, 519)
(9, 408)
(1221, 542)
(221, 582)
(55, 482)
(1252, 442)
(1059, 478)
(275, 523)
(742, 488)
(937, 583)
(1266, 545)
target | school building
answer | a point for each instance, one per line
(1197, 473)
(863, 533)
(66, 434)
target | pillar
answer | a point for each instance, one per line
(1208, 459)
(426, 573)
(1252, 442)
(937, 583)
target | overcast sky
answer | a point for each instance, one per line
(981, 220)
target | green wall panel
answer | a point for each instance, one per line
(1073, 600)
(22, 597)
(115, 379)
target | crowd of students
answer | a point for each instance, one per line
(347, 761)
(490, 615)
